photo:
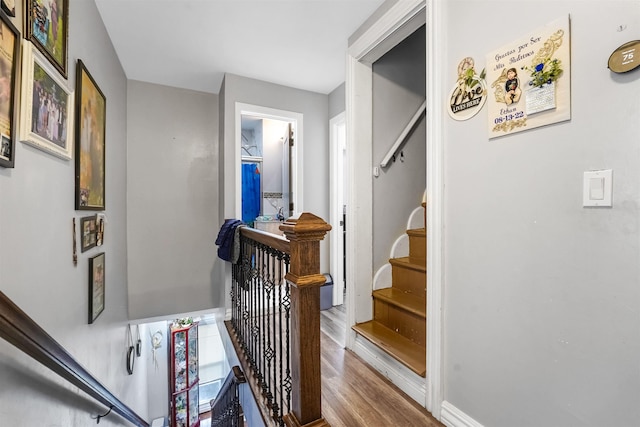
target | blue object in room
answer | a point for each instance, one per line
(250, 192)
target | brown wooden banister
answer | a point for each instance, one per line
(19, 329)
(271, 240)
(277, 335)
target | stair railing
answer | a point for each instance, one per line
(403, 135)
(225, 408)
(23, 332)
(275, 325)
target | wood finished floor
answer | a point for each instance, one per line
(354, 394)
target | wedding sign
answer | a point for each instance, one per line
(530, 81)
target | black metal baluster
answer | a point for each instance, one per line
(287, 306)
(280, 330)
(273, 386)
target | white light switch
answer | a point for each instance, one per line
(598, 188)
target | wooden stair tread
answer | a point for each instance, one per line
(409, 263)
(408, 301)
(400, 348)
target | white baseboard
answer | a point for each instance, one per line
(403, 378)
(454, 417)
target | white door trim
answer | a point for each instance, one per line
(435, 209)
(296, 151)
(400, 20)
(336, 202)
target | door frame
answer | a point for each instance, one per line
(337, 199)
(393, 25)
(296, 119)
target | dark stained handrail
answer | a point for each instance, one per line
(272, 240)
(23, 332)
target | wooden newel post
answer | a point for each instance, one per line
(305, 233)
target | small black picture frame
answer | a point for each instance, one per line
(96, 287)
(89, 229)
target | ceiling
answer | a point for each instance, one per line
(192, 43)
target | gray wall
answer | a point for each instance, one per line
(314, 107)
(542, 302)
(337, 101)
(36, 268)
(157, 377)
(398, 91)
(172, 200)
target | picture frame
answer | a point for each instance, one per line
(91, 107)
(9, 6)
(45, 95)
(9, 88)
(88, 232)
(47, 27)
(96, 286)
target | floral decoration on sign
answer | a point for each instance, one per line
(544, 68)
(546, 72)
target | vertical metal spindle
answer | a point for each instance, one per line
(280, 347)
(288, 386)
(272, 347)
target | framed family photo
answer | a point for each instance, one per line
(47, 26)
(96, 287)
(89, 232)
(9, 65)
(47, 103)
(90, 141)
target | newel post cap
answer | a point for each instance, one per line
(305, 226)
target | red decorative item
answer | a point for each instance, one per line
(184, 374)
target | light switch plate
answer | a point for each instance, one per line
(597, 188)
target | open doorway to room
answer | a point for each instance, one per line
(269, 147)
(332, 320)
(339, 186)
(266, 177)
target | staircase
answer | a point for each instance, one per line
(399, 310)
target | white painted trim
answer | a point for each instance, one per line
(405, 379)
(401, 20)
(416, 219)
(453, 417)
(382, 279)
(359, 103)
(336, 201)
(435, 207)
(296, 119)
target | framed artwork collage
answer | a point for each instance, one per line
(42, 109)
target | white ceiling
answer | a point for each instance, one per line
(192, 43)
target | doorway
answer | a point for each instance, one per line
(269, 146)
(339, 187)
(265, 172)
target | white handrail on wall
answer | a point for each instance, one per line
(396, 145)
